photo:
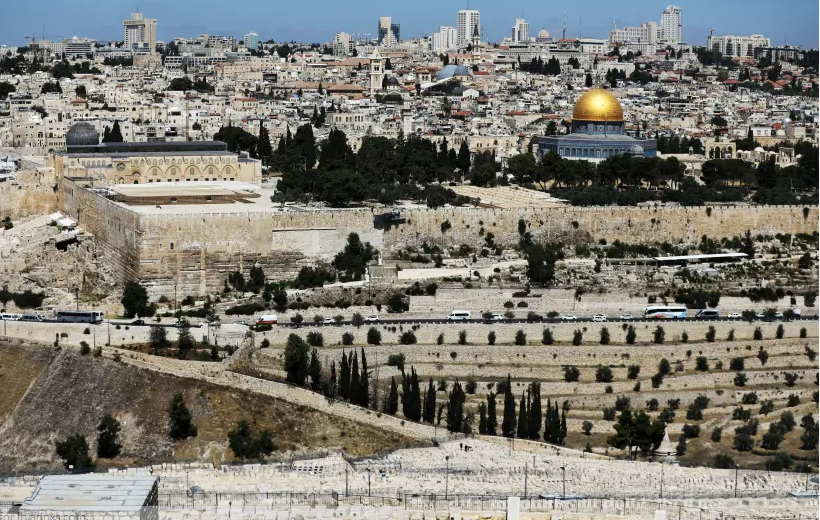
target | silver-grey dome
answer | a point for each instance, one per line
(82, 134)
(636, 150)
(452, 70)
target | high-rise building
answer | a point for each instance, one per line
(520, 31)
(469, 20)
(251, 41)
(78, 47)
(445, 39)
(645, 38)
(671, 25)
(743, 46)
(389, 32)
(140, 34)
(343, 45)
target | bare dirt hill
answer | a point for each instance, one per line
(46, 395)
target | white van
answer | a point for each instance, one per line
(708, 314)
(268, 319)
(9, 316)
(31, 317)
(459, 316)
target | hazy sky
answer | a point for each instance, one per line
(789, 21)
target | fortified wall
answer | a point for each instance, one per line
(191, 250)
(32, 194)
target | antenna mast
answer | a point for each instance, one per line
(564, 30)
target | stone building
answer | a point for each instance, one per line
(140, 163)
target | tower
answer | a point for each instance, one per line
(377, 62)
(475, 42)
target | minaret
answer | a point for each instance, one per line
(476, 44)
(377, 63)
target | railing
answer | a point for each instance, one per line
(419, 502)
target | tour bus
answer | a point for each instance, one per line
(80, 316)
(459, 316)
(268, 319)
(668, 312)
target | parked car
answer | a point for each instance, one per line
(534, 317)
(329, 321)
(734, 315)
(372, 318)
(598, 318)
(497, 316)
(569, 317)
(626, 316)
(138, 322)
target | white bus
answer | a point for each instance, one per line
(666, 312)
(79, 316)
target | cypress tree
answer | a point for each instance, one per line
(415, 396)
(288, 138)
(563, 425)
(523, 420)
(492, 419)
(430, 403)
(508, 424)
(455, 408)
(405, 393)
(315, 370)
(344, 378)
(331, 388)
(263, 149)
(116, 134)
(534, 425)
(463, 160)
(364, 383)
(482, 418)
(355, 386)
(107, 134)
(391, 404)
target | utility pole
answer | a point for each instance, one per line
(368, 481)
(347, 468)
(736, 470)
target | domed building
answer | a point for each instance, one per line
(82, 134)
(597, 132)
(453, 71)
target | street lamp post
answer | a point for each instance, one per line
(368, 481)
(447, 477)
(736, 470)
(661, 478)
(564, 482)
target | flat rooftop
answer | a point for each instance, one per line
(90, 493)
(185, 188)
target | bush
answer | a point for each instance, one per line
(297, 319)
(657, 380)
(740, 379)
(491, 338)
(84, 348)
(603, 375)
(520, 338)
(710, 334)
(659, 335)
(652, 405)
(794, 400)
(571, 374)
(374, 337)
(717, 434)
(315, 339)
(741, 414)
(586, 427)
(722, 461)
(604, 336)
(546, 337)
(245, 309)
(440, 339)
(462, 337)
(630, 335)
(664, 367)
(780, 331)
(622, 403)
(609, 414)
(396, 360)
(408, 338)
(680, 449)
(787, 420)
(684, 337)
(763, 356)
(577, 337)
(347, 339)
(632, 371)
(790, 378)
(749, 398)
(731, 335)
(803, 333)
(758, 334)
(737, 364)
(702, 364)
(691, 431)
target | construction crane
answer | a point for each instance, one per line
(33, 37)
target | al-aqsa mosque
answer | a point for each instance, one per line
(597, 132)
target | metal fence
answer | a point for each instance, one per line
(432, 502)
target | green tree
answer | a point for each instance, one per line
(374, 337)
(108, 445)
(534, 411)
(74, 452)
(509, 422)
(315, 370)
(134, 299)
(180, 420)
(391, 404)
(158, 338)
(296, 360)
(523, 421)
(185, 342)
(247, 446)
(463, 160)
(455, 408)
(492, 419)
(116, 134)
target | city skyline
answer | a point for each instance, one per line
(595, 19)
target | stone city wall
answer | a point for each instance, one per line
(198, 251)
(116, 229)
(194, 251)
(579, 224)
(32, 194)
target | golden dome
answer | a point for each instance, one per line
(598, 105)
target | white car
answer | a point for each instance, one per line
(497, 317)
(733, 315)
(569, 317)
(329, 321)
(626, 316)
(599, 318)
(372, 318)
